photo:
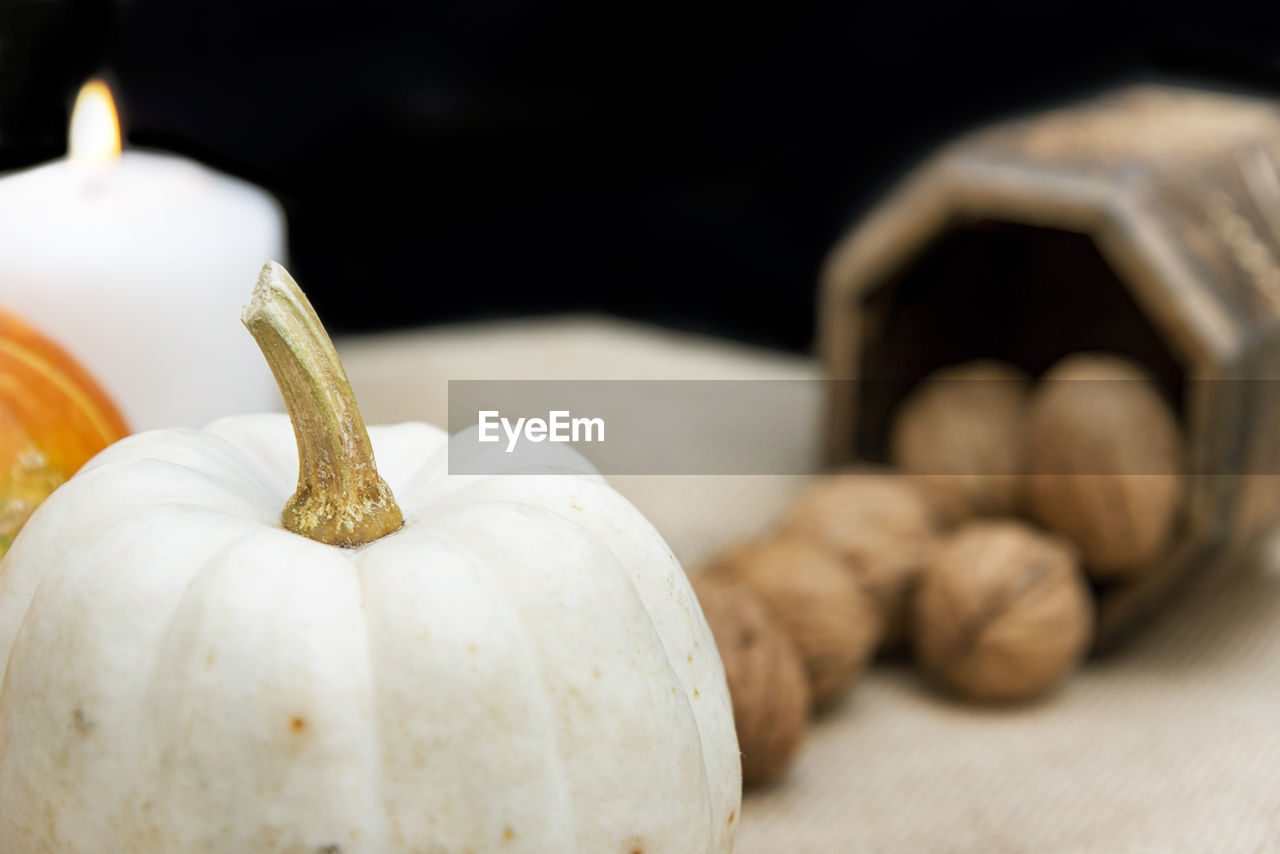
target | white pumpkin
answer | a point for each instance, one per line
(520, 667)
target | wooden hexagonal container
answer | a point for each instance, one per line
(1144, 222)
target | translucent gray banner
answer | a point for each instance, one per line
(634, 426)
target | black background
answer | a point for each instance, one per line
(683, 163)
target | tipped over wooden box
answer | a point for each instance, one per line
(1144, 222)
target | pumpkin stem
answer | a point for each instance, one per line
(340, 500)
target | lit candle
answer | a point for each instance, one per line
(138, 264)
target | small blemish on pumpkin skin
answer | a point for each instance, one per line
(732, 816)
(508, 834)
(298, 724)
(576, 507)
(697, 693)
(81, 722)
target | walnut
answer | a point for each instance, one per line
(1105, 456)
(833, 623)
(883, 529)
(766, 677)
(1002, 612)
(962, 435)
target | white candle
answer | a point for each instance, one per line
(139, 265)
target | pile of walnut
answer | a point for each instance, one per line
(1010, 500)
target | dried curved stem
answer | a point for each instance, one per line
(340, 500)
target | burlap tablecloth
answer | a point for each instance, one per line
(1170, 746)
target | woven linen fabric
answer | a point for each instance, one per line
(1171, 745)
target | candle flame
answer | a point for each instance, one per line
(95, 128)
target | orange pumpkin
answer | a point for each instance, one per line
(53, 418)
